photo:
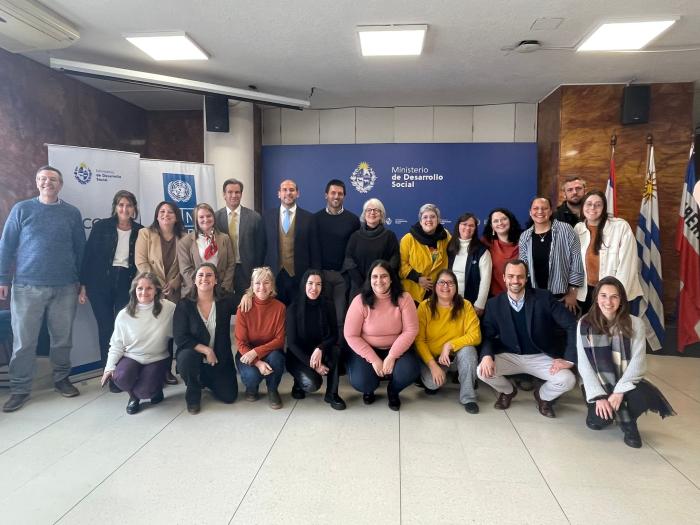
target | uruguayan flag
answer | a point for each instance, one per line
(651, 308)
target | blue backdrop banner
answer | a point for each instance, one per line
(473, 177)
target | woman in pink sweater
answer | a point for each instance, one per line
(380, 327)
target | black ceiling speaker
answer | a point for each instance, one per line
(635, 104)
(216, 109)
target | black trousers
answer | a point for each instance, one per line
(308, 379)
(106, 301)
(287, 287)
(220, 378)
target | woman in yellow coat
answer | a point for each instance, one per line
(423, 253)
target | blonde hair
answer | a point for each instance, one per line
(260, 274)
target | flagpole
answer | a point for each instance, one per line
(611, 187)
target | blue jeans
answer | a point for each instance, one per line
(364, 379)
(28, 306)
(251, 376)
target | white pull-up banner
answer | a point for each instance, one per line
(91, 177)
(184, 183)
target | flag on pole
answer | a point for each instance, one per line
(651, 309)
(610, 189)
(688, 246)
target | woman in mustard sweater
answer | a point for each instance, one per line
(423, 253)
(448, 332)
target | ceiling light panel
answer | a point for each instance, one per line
(625, 36)
(392, 40)
(167, 46)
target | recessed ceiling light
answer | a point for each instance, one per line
(625, 36)
(167, 46)
(392, 40)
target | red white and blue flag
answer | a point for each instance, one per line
(610, 190)
(688, 246)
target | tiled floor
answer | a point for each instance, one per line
(84, 460)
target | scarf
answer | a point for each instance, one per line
(212, 247)
(431, 240)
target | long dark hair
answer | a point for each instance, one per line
(395, 288)
(179, 228)
(474, 244)
(218, 293)
(622, 319)
(603, 217)
(301, 303)
(133, 301)
(457, 300)
(125, 194)
(513, 232)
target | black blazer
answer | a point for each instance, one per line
(251, 237)
(189, 330)
(542, 311)
(306, 251)
(99, 253)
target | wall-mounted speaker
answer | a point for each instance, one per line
(635, 104)
(216, 110)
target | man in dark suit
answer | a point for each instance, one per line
(292, 242)
(245, 229)
(517, 339)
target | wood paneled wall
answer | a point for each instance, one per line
(575, 124)
(175, 135)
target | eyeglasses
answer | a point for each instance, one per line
(443, 282)
(373, 210)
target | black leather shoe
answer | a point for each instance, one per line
(394, 402)
(170, 379)
(335, 401)
(274, 399)
(65, 388)
(429, 392)
(593, 426)
(194, 409)
(114, 388)
(545, 407)
(503, 400)
(157, 398)
(471, 407)
(15, 402)
(632, 437)
(298, 392)
(368, 398)
(133, 406)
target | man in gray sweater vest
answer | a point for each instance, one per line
(43, 241)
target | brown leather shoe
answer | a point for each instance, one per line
(545, 407)
(503, 401)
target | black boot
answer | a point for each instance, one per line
(631, 434)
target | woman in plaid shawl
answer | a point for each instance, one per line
(611, 347)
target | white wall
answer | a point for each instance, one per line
(232, 153)
(495, 123)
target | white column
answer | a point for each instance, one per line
(232, 153)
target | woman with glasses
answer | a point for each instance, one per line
(611, 346)
(608, 247)
(380, 327)
(138, 352)
(501, 235)
(470, 261)
(312, 342)
(371, 242)
(205, 244)
(260, 333)
(423, 253)
(202, 330)
(448, 332)
(109, 268)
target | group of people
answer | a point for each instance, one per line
(318, 293)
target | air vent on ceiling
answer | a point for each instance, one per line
(29, 26)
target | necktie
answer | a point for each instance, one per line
(233, 234)
(286, 221)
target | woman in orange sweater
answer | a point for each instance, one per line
(260, 338)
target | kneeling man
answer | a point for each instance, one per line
(517, 339)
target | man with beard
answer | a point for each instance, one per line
(516, 339)
(569, 211)
(335, 224)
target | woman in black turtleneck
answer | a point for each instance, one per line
(423, 253)
(371, 242)
(312, 342)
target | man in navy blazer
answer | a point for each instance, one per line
(292, 242)
(517, 339)
(248, 241)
